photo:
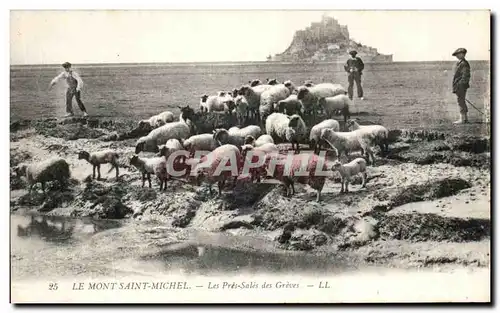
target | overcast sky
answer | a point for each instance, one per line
(51, 37)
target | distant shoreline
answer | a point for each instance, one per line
(167, 64)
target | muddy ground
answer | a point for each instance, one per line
(427, 203)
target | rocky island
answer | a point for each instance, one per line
(326, 41)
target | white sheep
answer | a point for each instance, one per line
(250, 130)
(262, 139)
(203, 104)
(252, 96)
(376, 134)
(45, 171)
(290, 105)
(310, 95)
(257, 152)
(336, 103)
(159, 136)
(148, 166)
(350, 169)
(158, 120)
(170, 147)
(276, 125)
(101, 157)
(271, 96)
(223, 137)
(314, 136)
(346, 142)
(296, 131)
(203, 142)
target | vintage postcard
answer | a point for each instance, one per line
(250, 156)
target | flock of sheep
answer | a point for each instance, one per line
(278, 107)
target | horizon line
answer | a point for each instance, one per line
(233, 62)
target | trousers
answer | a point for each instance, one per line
(461, 92)
(70, 93)
(354, 77)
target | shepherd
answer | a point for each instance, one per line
(354, 67)
(461, 79)
(74, 88)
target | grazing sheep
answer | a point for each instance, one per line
(241, 108)
(209, 169)
(290, 105)
(262, 139)
(45, 171)
(252, 96)
(336, 103)
(204, 142)
(175, 130)
(157, 120)
(314, 136)
(100, 157)
(376, 134)
(310, 95)
(346, 142)
(148, 166)
(350, 169)
(170, 147)
(295, 163)
(272, 96)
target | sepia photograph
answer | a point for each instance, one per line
(250, 156)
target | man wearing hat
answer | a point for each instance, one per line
(461, 79)
(354, 67)
(75, 84)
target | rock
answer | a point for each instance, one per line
(306, 240)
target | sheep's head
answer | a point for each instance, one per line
(308, 83)
(290, 134)
(294, 120)
(138, 147)
(249, 140)
(336, 165)
(281, 106)
(204, 98)
(326, 133)
(134, 160)
(187, 112)
(288, 84)
(244, 90)
(144, 124)
(234, 93)
(221, 93)
(272, 82)
(255, 82)
(220, 135)
(303, 91)
(230, 105)
(83, 155)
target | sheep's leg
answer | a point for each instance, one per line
(364, 177)
(143, 179)
(220, 184)
(165, 185)
(297, 147)
(318, 195)
(98, 172)
(347, 185)
(93, 171)
(293, 187)
(43, 188)
(342, 180)
(149, 180)
(161, 184)
(117, 171)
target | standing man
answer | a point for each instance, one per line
(354, 67)
(461, 79)
(75, 84)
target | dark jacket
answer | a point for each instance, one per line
(461, 76)
(356, 63)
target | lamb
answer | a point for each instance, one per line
(157, 120)
(171, 146)
(241, 108)
(204, 142)
(335, 103)
(271, 96)
(263, 139)
(217, 103)
(252, 96)
(175, 130)
(290, 105)
(45, 171)
(315, 163)
(376, 134)
(209, 168)
(148, 166)
(350, 169)
(345, 142)
(314, 136)
(100, 157)
(310, 95)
